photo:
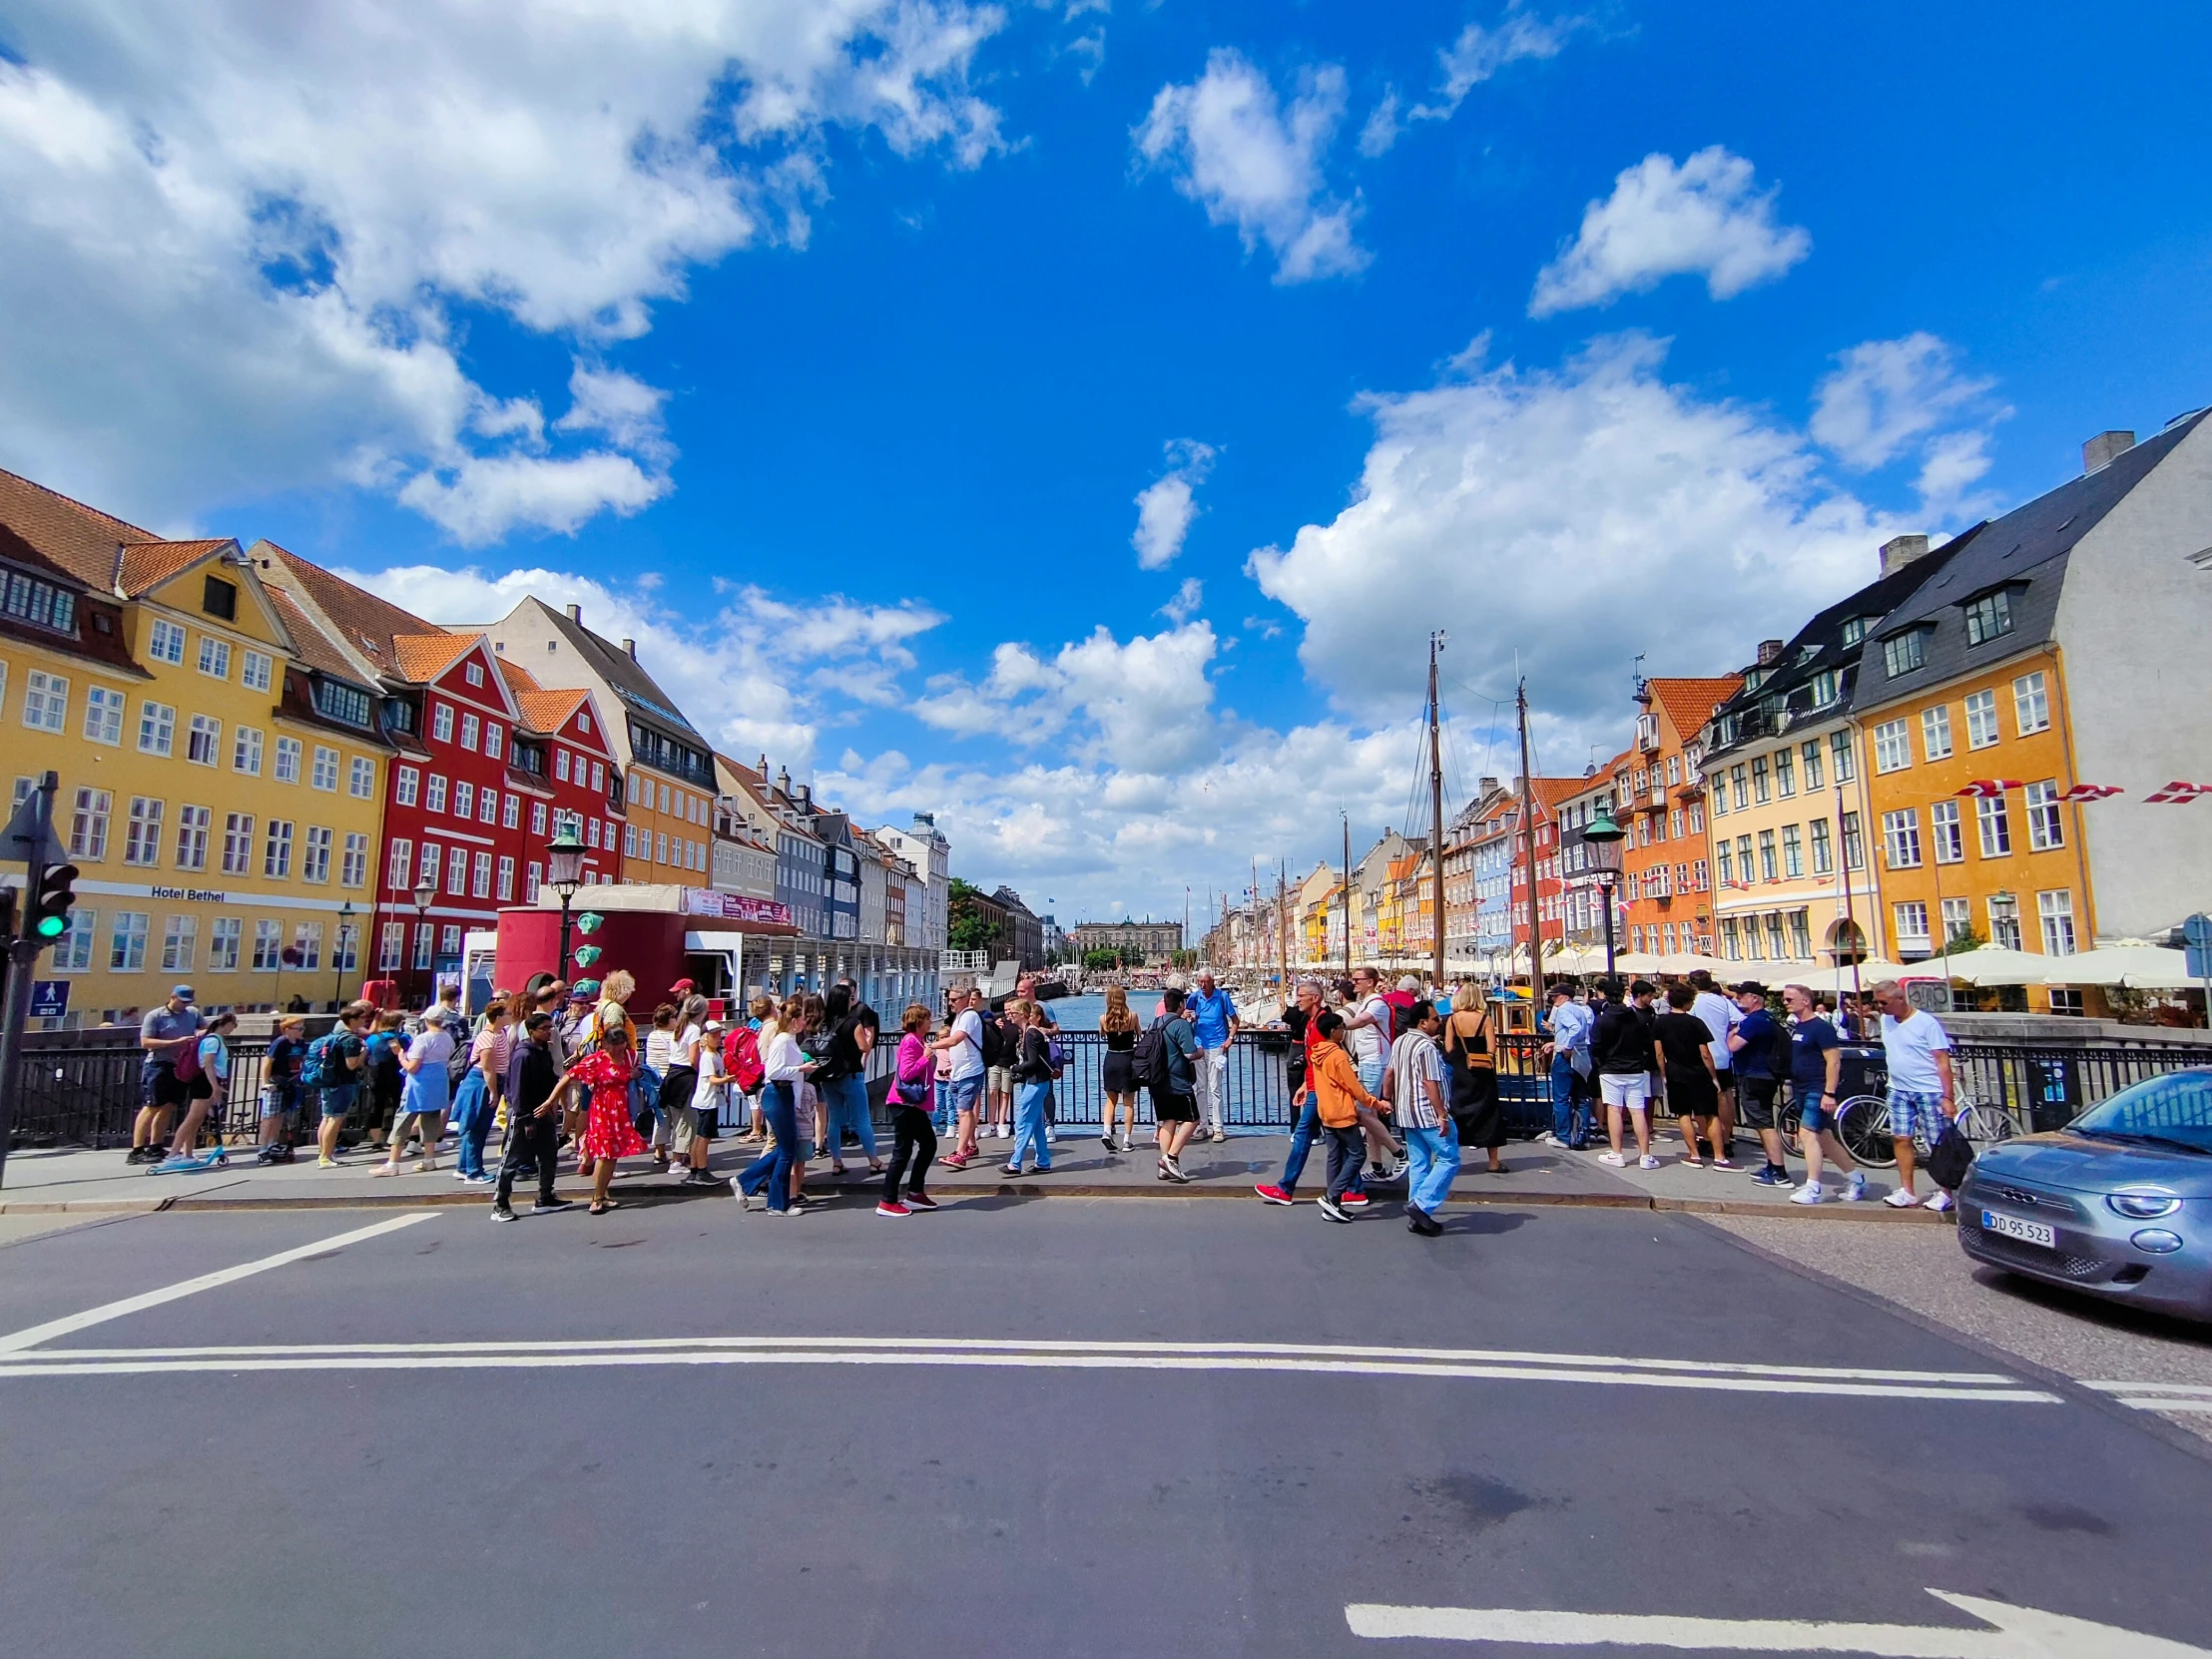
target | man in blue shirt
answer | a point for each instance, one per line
(1752, 1048)
(1213, 1016)
(1568, 1031)
(1816, 1072)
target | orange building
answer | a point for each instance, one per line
(1659, 801)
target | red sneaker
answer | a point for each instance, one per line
(1273, 1194)
(920, 1201)
(1352, 1200)
(893, 1209)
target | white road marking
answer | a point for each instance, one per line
(13, 1344)
(1448, 1363)
(2019, 1633)
(2157, 1397)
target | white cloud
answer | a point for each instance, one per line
(1380, 128)
(1186, 602)
(1168, 506)
(755, 672)
(1955, 462)
(1232, 147)
(1558, 524)
(238, 234)
(1663, 220)
(1480, 53)
(1886, 396)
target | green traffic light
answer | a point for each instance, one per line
(51, 927)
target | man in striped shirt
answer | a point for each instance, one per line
(1414, 1085)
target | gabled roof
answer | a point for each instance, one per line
(624, 675)
(550, 711)
(309, 644)
(97, 634)
(422, 658)
(142, 565)
(1689, 703)
(80, 539)
(361, 624)
(518, 678)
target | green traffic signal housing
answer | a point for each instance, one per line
(49, 918)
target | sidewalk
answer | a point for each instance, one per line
(71, 1181)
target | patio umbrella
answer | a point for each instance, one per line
(1992, 965)
(2143, 968)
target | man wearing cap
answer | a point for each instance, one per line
(163, 1036)
(1569, 1047)
(1212, 1012)
(1754, 1047)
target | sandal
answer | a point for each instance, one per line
(604, 1205)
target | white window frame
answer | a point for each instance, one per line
(104, 711)
(165, 642)
(204, 741)
(2054, 911)
(2031, 704)
(246, 750)
(257, 673)
(214, 659)
(1994, 822)
(156, 733)
(1982, 719)
(360, 779)
(126, 935)
(1892, 746)
(322, 770)
(223, 937)
(290, 752)
(1935, 744)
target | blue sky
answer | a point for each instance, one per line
(828, 346)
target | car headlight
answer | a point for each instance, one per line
(2142, 1206)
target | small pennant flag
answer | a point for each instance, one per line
(2093, 792)
(1988, 789)
(2178, 793)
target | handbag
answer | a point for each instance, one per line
(1950, 1158)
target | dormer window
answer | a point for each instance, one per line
(1989, 615)
(1855, 630)
(41, 604)
(1903, 654)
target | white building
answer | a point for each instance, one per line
(924, 849)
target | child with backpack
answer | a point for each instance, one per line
(283, 1070)
(337, 1061)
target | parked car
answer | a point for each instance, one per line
(2118, 1204)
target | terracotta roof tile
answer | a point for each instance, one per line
(518, 678)
(148, 564)
(423, 656)
(309, 644)
(1689, 703)
(367, 624)
(548, 710)
(80, 539)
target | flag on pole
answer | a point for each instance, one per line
(2177, 793)
(2093, 792)
(1988, 789)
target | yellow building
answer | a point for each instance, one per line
(222, 785)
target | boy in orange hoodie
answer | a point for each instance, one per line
(1339, 1095)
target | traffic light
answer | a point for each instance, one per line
(49, 919)
(8, 899)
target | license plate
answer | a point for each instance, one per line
(2027, 1232)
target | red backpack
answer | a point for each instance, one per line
(741, 1059)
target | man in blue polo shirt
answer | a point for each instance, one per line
(1816, 1062)
(1213, 1016)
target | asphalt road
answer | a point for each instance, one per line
(657, 1487)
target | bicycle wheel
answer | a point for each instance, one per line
(1984, 1124)
(1788, 1120)
(1863, 1124)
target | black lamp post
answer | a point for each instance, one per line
(337, 957)
(564, 872)
(1604, 836)
(425, 894)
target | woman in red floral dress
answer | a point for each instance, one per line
(608, 1132)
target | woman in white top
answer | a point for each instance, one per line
(682, 1093)
(787, 1067)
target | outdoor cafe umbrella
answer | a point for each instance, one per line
(2143, 967)
(1992, 965)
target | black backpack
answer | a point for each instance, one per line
(1148, 1061)
(998, 1047)
(1949, 1158)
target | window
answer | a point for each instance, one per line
(166, 642)
(220, 598)
(1767, 869)
(1812, 754)
(1784, 772)
(1996, 827)
(1912, 925)
(1840, 756)
(430, 863)
(324, 774)
(1824, 854)
(1674, 824)
(1855, 844)
(660, 848)
(257, 670)
(204, 742)
(1800, 936)
(2046, 828)
(537, 818)
(506, 880)
(179, 942)
(223, 944)
(1826, 687)
(434, 799)
(288, 751)
(307, 944)
(269, 945)
(629, 840)
(1774, 946)
(2005, 921)
(73, 950)
(1700, 876)
(192, 824)
(1945, 831)
(473, 674)
(237, 844)
(510, 812)
(598, 772)
(345, 948)
(560, 764)
(583, 723)
(314, 859)
(1982, 719)
(1892, 747)
(2030, 703)
(390, 942)
(1720, 796)
(1855, 630)
(1989, 617)
(353, 862)
(424, 937)
(408, 785)
(127, 942)
(103, 714)
(246, 750)
(1793, 853)
(470, 728)
(276, 850)
(1902, 653)
(441, 722)
(142, 836)
(157, 729)
(400, 865)
(456, 870)
(1900, 840)
(464, 800)
(494, 741)
(481, 885)
(1726, 857)
(1697, 819)
(536, 878)
(449, 940)
(1935, 731)
(214, 656)
(1958, 919)
(88, 825)
(362, 779)
(40, 602)
(45, 701)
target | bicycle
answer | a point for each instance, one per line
(1863, 1124)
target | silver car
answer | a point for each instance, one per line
(2118, 1203)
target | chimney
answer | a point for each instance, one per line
(576, 615)
(630, 648)
(2100, 450)
(1770, 651)
(1900, 552)
(807, 796)
(1485, 785)
(783, 778)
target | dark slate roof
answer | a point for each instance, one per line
(1818, 648)
(622, 672)
(2024, 551)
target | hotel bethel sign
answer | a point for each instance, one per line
(731, 906)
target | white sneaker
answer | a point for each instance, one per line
(1050, 1138)
(1647, 1161)
(1547, 1138)
(1940, 1202)
(1810, 1193)
(1613, 1158)
(1856, 1193)
(1903, 1197)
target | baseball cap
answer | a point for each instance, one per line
(182, 994)
(586, 990)
(1748, 987)
(683, 987)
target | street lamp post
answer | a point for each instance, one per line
(337, 957)
(564, 869)
(1602, 834)
(425, 893)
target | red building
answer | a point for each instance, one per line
(569, 772)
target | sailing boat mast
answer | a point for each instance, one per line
(1436, 813)
(1347, 895)
(1528, 832)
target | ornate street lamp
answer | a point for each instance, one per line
(1604, 836)
(564, 872)
(425, 894)
(337, 957)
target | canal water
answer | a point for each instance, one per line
(1082, 1013)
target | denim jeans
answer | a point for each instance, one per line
(1432, 1159)
(1302, 1143)
(1571, 1106)
(1347, 1152)
(847, 1098)
(472, 1115)
(1029, 1125)
(773, 1169)
(960, 1094)
(1371, 1075)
